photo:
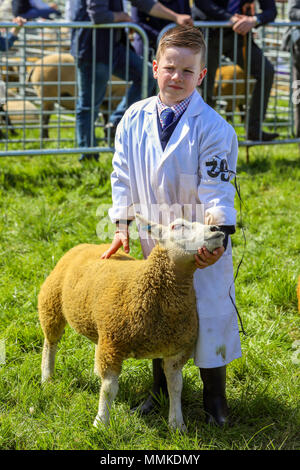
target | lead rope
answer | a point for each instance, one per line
(237, 187)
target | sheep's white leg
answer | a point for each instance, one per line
(108, 391)
(174, 380)
(48, 360)
(96, 372)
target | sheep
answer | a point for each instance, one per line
(128, 307)
(19, 111)
(49, 39)
(54, 78)
(5, 122)
(298, 293)
(12, 69)
(227, 74)
(13, 112)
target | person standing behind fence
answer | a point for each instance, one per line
(291, 43)
(91, 81)
(6, 42)
(31, 9)
(152, 26)
(242, 22)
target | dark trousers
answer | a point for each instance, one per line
(257, 62)
(92, 88)
(296, 87)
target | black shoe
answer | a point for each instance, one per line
(159, 389)
(150, 404)
(265, 136)
(214, 397)
(88, 156)
(145, 408)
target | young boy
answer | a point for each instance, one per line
(183, 160)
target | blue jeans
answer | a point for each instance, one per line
(90, 96)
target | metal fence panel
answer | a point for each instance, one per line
(38, 92)
(37, 115)
(233, 86)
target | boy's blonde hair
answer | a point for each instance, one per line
(183, 36)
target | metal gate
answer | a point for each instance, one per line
(233, 86)
(38, 91)
(38, 116)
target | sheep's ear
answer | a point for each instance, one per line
(154, 229)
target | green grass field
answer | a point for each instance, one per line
(48, 205)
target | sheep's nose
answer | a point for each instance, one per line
(215, 228)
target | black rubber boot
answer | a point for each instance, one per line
(265, 136)
(88, 156)
(159, 387)
(214, 395)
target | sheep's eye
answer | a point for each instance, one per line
(177, 226)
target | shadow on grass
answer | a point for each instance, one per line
(258, 422)
(28, 175)
(265, 164)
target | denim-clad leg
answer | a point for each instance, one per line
(89, 91)
(258, 62)
(135, 73)
(296, 78)
(262, 88)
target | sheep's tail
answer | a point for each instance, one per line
(50, 310)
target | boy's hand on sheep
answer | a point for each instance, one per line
(204, 258)
(121, 238)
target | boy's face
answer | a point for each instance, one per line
(178, 73)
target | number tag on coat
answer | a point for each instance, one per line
(217, 167)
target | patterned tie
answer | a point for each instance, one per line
(233, 6)
(166, 117)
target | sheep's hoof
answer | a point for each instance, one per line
(46, 379)
(100, 421)
(181, 427)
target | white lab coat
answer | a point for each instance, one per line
(190, 177)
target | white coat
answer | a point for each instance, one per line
(189, 178)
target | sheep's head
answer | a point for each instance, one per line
(183, 235)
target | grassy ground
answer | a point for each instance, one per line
(48, 205)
